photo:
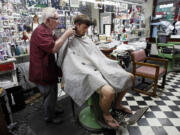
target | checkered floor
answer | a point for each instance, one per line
(163, 115)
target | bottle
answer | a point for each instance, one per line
(17, 50)
(13, 50)
(124, 36)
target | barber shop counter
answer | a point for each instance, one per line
(117, 50)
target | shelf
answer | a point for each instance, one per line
(175, 36)
(174, 43)
(6, 27)
(169, 56)
(11, 73)
(4, 72)
(22, 55)
(10, 85)
(164, 44)
(176, 56)
(8, 61)
(22, 58)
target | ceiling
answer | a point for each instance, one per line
(133, 1)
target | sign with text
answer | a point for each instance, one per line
(123, 6)
(74, 3)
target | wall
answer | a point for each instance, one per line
(85, 9)
(148, 7)
(95, 15)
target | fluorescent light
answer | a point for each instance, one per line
(91, 1)
(113, 3)
(166, 5)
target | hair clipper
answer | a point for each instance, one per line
(75, 28)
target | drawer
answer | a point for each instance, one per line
(6, 67)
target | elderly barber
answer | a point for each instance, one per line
(43, 69)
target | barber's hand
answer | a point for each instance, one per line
(70, 32)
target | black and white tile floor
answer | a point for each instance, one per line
(163, 115)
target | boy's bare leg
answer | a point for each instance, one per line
(120, 97)
(107, 95)
(118, 105)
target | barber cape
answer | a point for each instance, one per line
(86, 69)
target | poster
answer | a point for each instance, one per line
(60, 4)
(74, 3)
(107, 30)
(37, 3)
(109, 8)
(107, 19)
(123, 6)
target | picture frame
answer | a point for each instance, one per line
(107, 29)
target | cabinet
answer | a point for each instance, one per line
(163, 10)
(3, 126)
(170, 51)
(8, 76)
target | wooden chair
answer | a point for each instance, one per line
(146, 70)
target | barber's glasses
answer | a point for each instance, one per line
(54, 18)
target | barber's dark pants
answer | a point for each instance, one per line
(50, 98)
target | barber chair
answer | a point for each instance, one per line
(147, 70)
(90, 117)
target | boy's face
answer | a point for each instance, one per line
(81, 29)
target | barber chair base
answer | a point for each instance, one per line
(88, 121)
(90, 118)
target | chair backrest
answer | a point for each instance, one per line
(138, 56)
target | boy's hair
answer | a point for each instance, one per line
(82, 19)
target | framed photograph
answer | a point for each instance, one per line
(107, 29)
(74, 3)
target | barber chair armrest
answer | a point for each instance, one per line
(146, 64)
(157, 59)
(157, 67)
(165, 61)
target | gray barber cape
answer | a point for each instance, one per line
(85, 69)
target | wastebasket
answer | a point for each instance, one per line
(3, 126)
(16, 98)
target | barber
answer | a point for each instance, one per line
(43, 70)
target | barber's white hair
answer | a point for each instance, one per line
(47, 13)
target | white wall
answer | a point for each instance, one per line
(148, 12)
(95, 14)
